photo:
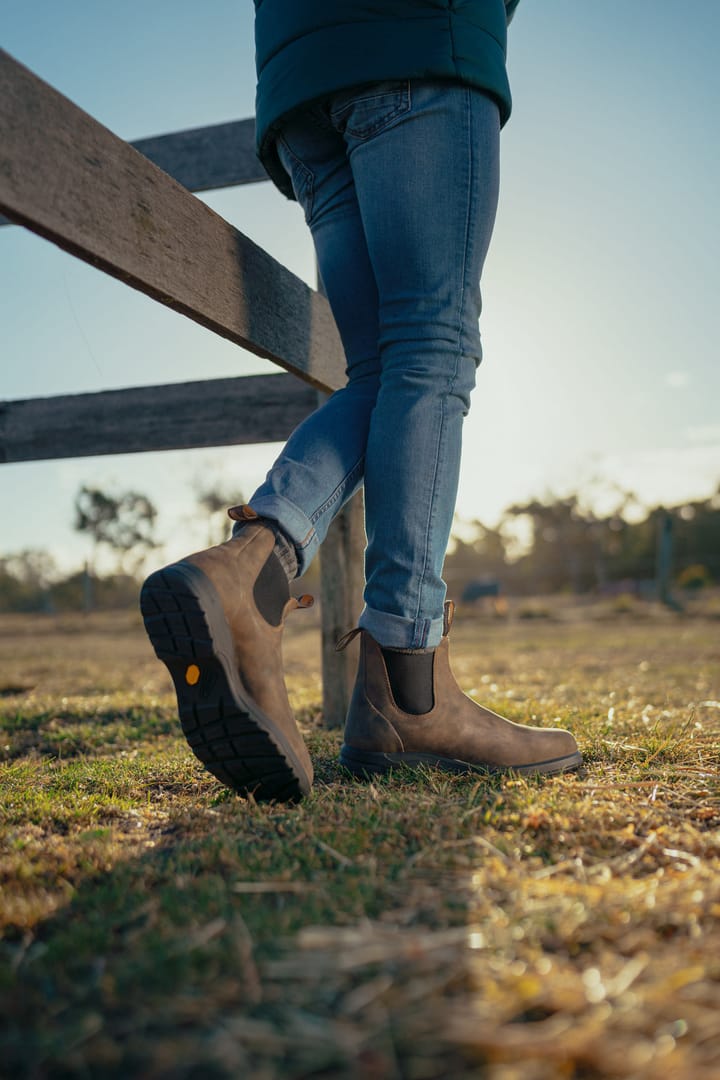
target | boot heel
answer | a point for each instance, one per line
(365, 763)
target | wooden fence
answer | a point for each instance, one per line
(128, 210)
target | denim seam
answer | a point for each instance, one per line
(347, 480)
(373, 94)
(468, 214)
(367, 132)
(366, 135)
(453, 377)
(428, 530)
(307, 540)
(308, 176)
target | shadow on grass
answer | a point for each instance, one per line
(169, 962)
(418, 925)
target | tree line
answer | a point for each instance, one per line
(567, 546)
(121, 529)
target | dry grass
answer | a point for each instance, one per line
(424, 926)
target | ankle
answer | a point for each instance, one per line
(284, 548)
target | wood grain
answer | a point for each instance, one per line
(206, 158)
(341, 586)
(67, 178)
(216, 412)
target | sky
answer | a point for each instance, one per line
(599, 293)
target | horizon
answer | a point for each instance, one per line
(513, 525)
(598, 325)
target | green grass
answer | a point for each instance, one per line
(154, 925)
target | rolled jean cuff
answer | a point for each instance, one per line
(298, 528)
(397, 632)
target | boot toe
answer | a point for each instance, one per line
(558, 752)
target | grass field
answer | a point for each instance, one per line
(155, 926)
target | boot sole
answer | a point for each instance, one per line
(367, 763)
(225, 729)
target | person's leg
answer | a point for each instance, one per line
(427, 189)
(399, 184)
(216, 617)
(322, 464)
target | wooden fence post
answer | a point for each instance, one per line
(342, 579)
(663, 562)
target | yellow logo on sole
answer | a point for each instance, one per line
(192, 674)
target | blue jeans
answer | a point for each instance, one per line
(399, 184)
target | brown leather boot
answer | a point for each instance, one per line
(457, 735)
(225, 660)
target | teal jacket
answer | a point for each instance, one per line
(307, 49)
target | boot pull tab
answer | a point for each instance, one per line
(448, 616)
(242, 513)
(295, 602)
(346, 639)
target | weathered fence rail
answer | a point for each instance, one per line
(127, 209)
(64, 176)
(203, 159)
(178, 416)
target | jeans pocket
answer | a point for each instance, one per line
(364, 111)
(300, 175)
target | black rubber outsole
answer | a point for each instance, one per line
(226, 731)
(365, 764)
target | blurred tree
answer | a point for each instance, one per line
(483, 556)
(568, 546)
(573, 547)
(123, 523)
(112, 592)
(25, 581)
(697, 535)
